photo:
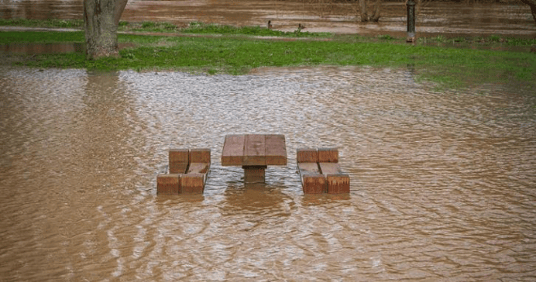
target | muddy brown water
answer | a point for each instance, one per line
(442, 184)
(438, 18)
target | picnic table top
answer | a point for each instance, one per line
(254, 150)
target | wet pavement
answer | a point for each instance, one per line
(442, 184)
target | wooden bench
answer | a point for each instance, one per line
(320, 171)
(187, 173)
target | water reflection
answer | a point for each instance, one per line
(256, 198)
(442, 183)
(49, 48)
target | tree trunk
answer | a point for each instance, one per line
(363, 10)
(533, 10)
(376, 13)
(101, 18)
(119, 8)
(532, 4)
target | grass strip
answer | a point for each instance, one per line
(203, 28)
(51, 23)
(450, 67)
(492, 40)
(150, 26)
(9, 37)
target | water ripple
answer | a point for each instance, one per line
(442, 183)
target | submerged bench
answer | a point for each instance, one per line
(320, 171)
(187, 173)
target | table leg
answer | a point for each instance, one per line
(254, 174)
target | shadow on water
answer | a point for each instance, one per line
(257, 197)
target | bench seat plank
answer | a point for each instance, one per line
(168, 184)
(337, 181)
(193, 183)
(198, 168)
(312, 181)
(178, 160)
(276, 150)
(233, 150)
(330, 168)
(308, 168)
(254, 150)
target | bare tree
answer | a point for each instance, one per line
(363, 10)
(101, 19)
(375, 11)
(532, 4)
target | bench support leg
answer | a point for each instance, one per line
(254, 174)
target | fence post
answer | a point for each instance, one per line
(411, 21)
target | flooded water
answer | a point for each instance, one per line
(442, 184)
(438, 18)
(48, 48)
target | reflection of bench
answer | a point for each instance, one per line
(320, 171)
(187, 173)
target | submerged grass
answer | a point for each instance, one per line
(150, 26)
(56, 23)
(450, 67)
(41, 37)
(203, 28)
(492, 40)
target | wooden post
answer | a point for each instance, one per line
(411, 21)
(254, 174)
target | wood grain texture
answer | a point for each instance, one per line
(306, 155)
(328, 155)
(254, 150)
(330, 168)
(178, 160)
(233, 150)
(276, 150)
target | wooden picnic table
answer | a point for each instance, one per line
(254, 152)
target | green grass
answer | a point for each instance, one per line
(493, 40)
(41, 37)
(149, 26)
(520, 41)
(57, 23)
(386, 37)
(450, 67)
(202, 28)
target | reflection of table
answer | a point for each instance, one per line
(254, 152)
